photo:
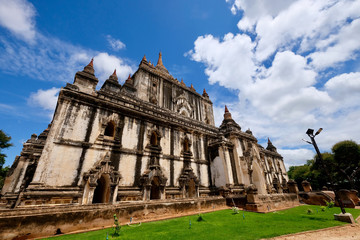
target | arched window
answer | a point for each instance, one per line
(154, 139)
(186, 145)
(110, 129)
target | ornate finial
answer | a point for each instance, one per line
(129, 80)
(113, 76)
(205, 94)
(270, 146)
(249, 131)
(227, 114)
(144, 59)
(160, 63)
(150, 62)
(182, 83)
(192, 87)
(91, 63)
(90, 67)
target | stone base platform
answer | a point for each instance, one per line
(32, 222)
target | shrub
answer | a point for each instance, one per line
(235, 210)
(200, 218)
(323, 208)
(309, 211)
(330, 204)
(117, 227)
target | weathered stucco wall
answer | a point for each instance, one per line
(45, 222)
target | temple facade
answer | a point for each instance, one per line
(151, 138)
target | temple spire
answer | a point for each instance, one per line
(160, 63)
(227, 114)
(90, 67)
(144, 58)
(113, 76)
(270, 146)
(91, 63)
(205, 94)
(129, 80)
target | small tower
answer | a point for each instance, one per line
(160, 64)
(111, 84)
(113, 77)
(205, 95)
(227, 114)
(270, 146)
(86, 80)
(228, 124)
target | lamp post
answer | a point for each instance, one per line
(310, 133)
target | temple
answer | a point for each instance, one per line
(150, 138)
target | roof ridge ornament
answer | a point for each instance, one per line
(160, 63)
(205, 94)
(227, 114)
(90, 67)
(113, 77)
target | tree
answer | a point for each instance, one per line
(300, 173)
(4, 143)
(343, 164)
(347, 161)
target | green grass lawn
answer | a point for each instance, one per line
(226, 225)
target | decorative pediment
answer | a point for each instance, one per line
(186, 176)
(102, 167)
(182, 106)
(149, 175)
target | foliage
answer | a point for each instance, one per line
(309, 211)
(222, 225)
(117, 227)
(330, 204)
(4, 143)
(343, 164)
(235, 210)
(347, 161)
(323, 208)
(200, 218)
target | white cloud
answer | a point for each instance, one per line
(255, 9)
(296, 157)
(18, 17)
(47, 59)
(50, 59)
(46, 99)
(104, 65)
(281, 70)
(338, 47)
(115, 44)
(234, 52)
(344, 89)
(286, 92)
(286, 24)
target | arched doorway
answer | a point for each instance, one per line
(192, 188)
(155, 189)
(102, 190)
(110, 129)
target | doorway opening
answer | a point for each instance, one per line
(102, 190)
(192, 189)
(155, 189)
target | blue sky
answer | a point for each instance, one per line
(281, 66)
